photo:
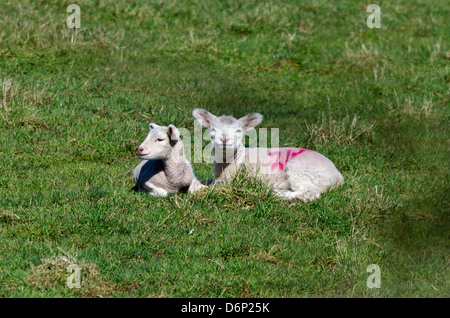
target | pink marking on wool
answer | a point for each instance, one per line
(277, 163)
(289, 155)
(295, 154)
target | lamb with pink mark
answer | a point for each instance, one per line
(294, 173)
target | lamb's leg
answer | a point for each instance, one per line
(156, 191)
(303, 186)
(309, 175)
(195, 186)
(304, 196)
(300, 184)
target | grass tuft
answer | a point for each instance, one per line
(53, 274)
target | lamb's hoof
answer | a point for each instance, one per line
(297, 196)
(288, 195)
(207, 182)
(159, 193)
(196, 186)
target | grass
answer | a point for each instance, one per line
(74, 105)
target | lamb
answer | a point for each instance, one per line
(294, 173)
(165, 169)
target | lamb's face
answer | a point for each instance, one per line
(159, 142)
(226, 133)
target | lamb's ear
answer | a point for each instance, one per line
(251, 121)
(173, 132)
(204, 117)
(152, 126)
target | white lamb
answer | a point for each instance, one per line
(165, 169)
(294, 173)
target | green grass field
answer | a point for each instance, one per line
(76, 103)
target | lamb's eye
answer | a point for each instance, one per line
(239, 130)
(159, 139)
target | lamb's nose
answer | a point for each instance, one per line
(140, 150)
